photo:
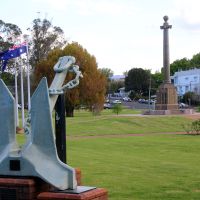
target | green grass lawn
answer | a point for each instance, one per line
(108, 123)
(147, 167)
(150, 167)
(85, 113)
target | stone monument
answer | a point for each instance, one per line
(166, 94)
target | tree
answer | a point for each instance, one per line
(195, 61)
(45, 37)
(138, 81)
(8, 37)
(156, 80)
(191, 98)
(182, 64)
(125, 73)
(117, 108)
(108, 73)
(185, 64)
(8, 78)
(9, 34)
(91, 89)
(115, 85)
(93, 85)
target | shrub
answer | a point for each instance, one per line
(117, 108)
(192, 128)
(198, 108)
(196, 126)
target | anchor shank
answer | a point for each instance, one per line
(57, 83)
(61, 68)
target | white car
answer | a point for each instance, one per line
(117, 101)
(183, 105)
(126, 99)
(107, 106)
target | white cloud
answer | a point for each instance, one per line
(58, 5)
(104, 7)
(91, 7)
(188, 12)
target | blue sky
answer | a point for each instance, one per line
(121, 34)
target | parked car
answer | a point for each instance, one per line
(183, 105)
(117, 101)
(107, 106)
(151, 101)
(141, 101)
(126, 99)
(107, 101)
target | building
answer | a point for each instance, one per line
(122, 92)
(187, 81)
(117, 78)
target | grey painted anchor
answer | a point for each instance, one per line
(38, 157)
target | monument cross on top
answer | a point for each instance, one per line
(165, 24)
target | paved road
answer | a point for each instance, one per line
(136, 105)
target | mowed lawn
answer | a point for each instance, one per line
(109, 123)
(149, 166)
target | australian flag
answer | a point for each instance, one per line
(13, 52)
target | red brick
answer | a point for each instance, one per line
(78, 176)
(96, 194)
(29, 188)
(25, 188)
(16, 181)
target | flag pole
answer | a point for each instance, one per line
(28, 77)
(16, 96)
(1, 69)
(22, 93)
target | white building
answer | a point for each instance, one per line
(122, 92)
(187, 81)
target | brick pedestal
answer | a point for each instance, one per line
(17, 189)
(78, 176)
(30, 188)
(95, 194)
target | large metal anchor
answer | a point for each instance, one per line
(38, 157)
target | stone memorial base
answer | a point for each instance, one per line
(169, 112)
(167, 102)
(167, 97)
(31, 188)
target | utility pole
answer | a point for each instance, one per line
(149, 91)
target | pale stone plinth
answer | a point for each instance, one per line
(166, 97)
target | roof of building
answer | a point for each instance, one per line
(187, 72)
(117, 77)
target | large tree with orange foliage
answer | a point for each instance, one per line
(92, 87)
